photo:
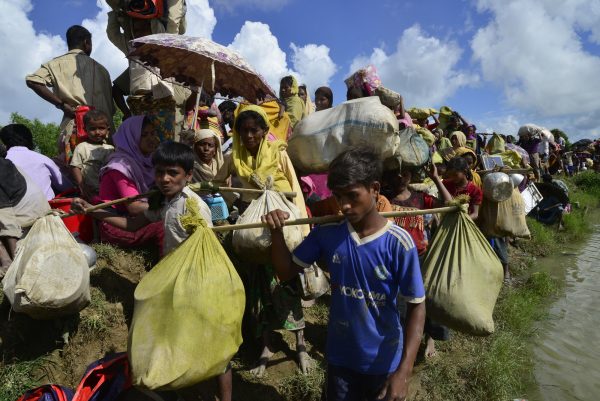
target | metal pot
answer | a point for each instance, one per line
(517, 179)
(497, 187)
(90, 255)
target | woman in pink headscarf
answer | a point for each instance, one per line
(129, 172)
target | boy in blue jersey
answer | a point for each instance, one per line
(371, 260)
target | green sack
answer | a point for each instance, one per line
(421, 113)
(426, 135)
(187, 317)
(462, 276)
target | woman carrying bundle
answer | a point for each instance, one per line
(294, 105)
(254, 159)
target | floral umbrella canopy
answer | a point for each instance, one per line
(197, 62)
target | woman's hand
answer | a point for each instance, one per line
(275, 219)
(78, 206)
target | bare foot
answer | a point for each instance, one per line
(304, 361)
(430, 350)
(261, 365)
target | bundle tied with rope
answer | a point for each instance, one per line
(462, 274)
(254, 244)
(188, 311)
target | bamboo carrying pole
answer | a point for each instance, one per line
(193, 187)
(336, 218)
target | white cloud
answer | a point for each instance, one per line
(534, 50)
(313, 64)
(423, 69)
(260, 48)
(24, 50)
(265, 5)
(257, 44)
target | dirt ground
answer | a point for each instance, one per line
(102, 329)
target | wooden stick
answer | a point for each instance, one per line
(506, 170)
(193, 187)
(336, 218)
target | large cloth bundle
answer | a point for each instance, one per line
(254, 245)
(530, 129)
(323, 135)
(507, 218)
(413, 150)
(462, 276)
(49, 276)
(187, 317)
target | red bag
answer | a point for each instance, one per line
(144, 9)
(105, 379)
(48, 392)
(78, 134)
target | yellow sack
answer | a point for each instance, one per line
(188, 312)
(462, 276)
(495, 145)
(420, 113)
(511, 158)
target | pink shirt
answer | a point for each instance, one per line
(115, 185)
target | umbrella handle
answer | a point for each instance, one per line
(194, 121)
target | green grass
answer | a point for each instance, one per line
(19, 377)
(301, 387)
(95, 319)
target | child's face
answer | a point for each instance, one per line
(97, 130)
(356, 201)
(322, 103)
(252, 135)
(171, 179)
(206, 149)
(456, 177)
(302, 94)
(285, 90)
(454, 141)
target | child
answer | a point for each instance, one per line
(174, 165)
(90, 156)
(459, 181)
(371, 261)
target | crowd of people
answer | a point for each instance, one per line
(372, 339)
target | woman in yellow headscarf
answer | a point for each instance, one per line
(309, 107)
(257, 155)
(294, 106)
(458, 141)
(254, 159)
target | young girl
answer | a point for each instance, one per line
(459, 181)
(396, 181)
(294, 105)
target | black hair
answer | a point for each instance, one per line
(247, 115)
(357, 165)
(17, 135)
(355, 93)
(287, 80)
(547, 178)
(174, 154)
(303, 86)
(227, 105)
(459, 163)
(76, 36)
(325, 91)
(2, 151)
(95, 115)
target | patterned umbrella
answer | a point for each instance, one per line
(199, 62)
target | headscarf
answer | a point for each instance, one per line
(128, 158)
(294, 86)
(204, 171)
(462, 138)
(257, 170)
(309, 107)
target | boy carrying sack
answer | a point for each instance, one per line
(193, 289)
(371, 261)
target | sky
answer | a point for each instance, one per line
(501, 64)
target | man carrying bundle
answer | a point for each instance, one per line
(371, 262)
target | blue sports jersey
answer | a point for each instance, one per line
(364, 332)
